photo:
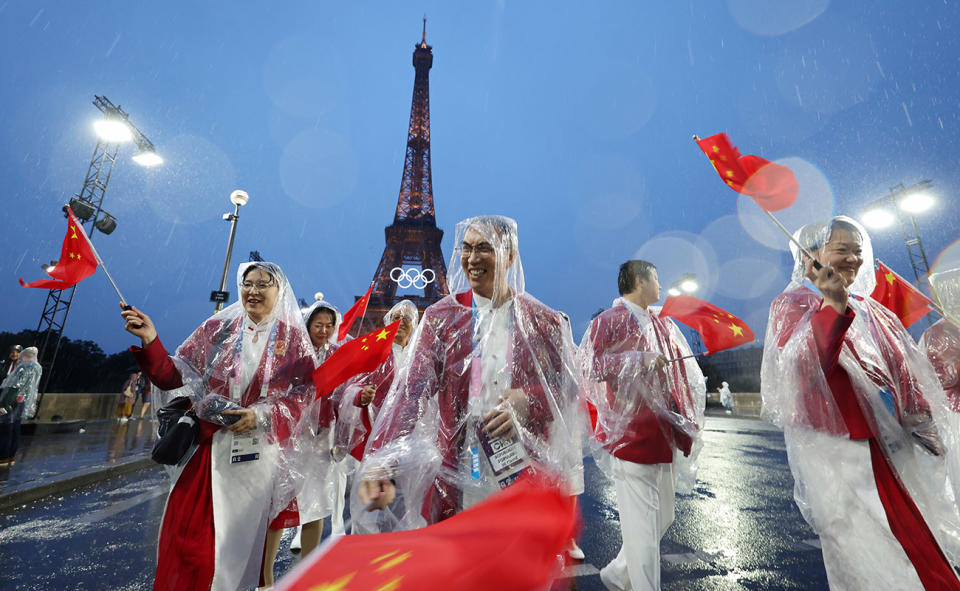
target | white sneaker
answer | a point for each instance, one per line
(574, 551)
(295, 542)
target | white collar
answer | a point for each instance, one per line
(487, 303)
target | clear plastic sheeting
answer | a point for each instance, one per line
(488, 356)
(323, 478)
(941, 342)
(355, 419)
(903, 409)
(643, 414)
(269, 371)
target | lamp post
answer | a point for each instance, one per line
(901, 205)
(112, 130)
(238, 198)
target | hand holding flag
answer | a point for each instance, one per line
(899, 296)
(362, 354)
(718, 328)
(508, 542)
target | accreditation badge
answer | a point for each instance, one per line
(245, 447)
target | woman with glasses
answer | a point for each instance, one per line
(247, 371)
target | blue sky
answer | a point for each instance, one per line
(574, 118)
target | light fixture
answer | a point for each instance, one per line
(239, 197)
(107, 223)
(673, 291)
(877, 218)
(689, 285)
(49, 267)
(916, 202)
(113, 130)
(82, 209)
(148, 158)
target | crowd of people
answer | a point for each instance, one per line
(489, 384)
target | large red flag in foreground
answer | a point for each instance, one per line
(362, 354)
(357, 309)
(508, 542)
(718, 328)
(773, 186)
(77, 261)
(898, 296)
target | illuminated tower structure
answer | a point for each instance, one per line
(412, 257)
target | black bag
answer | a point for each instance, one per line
(177, 428)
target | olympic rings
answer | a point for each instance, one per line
(412, 277)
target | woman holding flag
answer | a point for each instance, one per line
(247, 371)
(860, 406)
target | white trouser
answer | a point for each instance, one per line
(645, 499)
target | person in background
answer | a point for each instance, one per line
(15, 390)
(128, 395)
(726, 397)
(10, 363)
(144, 391)
(649, 418)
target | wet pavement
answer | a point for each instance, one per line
(47, 454)
(739, 529)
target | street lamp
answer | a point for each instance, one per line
(902, 204)
(238, 198)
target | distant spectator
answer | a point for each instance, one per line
(128, 394)
(10, 363)
(144, 391)
(16, 389)
(726, 397)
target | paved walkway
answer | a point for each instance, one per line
(50, 462)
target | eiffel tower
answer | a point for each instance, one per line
(413, 239)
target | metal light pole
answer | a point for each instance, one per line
(115, 128)
(238, 198)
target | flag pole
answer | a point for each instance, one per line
(773, 218)
(96, 255)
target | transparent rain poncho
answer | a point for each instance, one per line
(19, 389)
(270, 373)
(634, 402)
(322, 477)
(468, 355)
(898, 393)
(941, 342)
(355, 420)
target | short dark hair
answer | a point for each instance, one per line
(630, 271)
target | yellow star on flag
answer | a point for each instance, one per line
(391, 586)
(73, 231)
(73, 256)
(393, 562)
(716, 318)
(382, 334)
(338, 585)
(716, 149)
(890, 277)
(737, 330)
(729, 173)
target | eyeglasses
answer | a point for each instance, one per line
(482, 249)
(259, 285)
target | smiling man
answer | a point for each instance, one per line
(487, 392)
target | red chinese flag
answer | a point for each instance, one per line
(718, 328)
(508, 542)
(77, 261)
(898, 296)
(362, 354)
(772, 186)
(358, 309)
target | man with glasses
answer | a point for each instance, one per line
(487, 391)
(649, 403)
